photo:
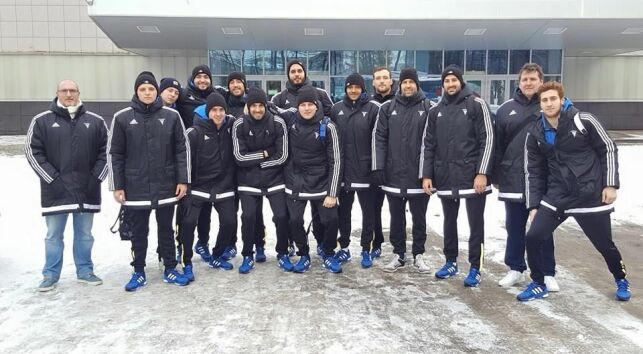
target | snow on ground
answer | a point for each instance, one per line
(267, 310)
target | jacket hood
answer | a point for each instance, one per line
(408, 101)
(143, 108)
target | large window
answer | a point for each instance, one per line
(370, 59)
(498, 60)
(275, 63)
(517, 58)
(476, 62)
(343, 62)
(223, 62)
(253, 61)
(549, 60)
(318, 62)
(454, 57)
(400, 59)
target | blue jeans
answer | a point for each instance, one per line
(54, 245)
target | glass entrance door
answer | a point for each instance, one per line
(273, 87)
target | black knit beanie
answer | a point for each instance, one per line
(256, 95)
(215, 100)
(201, 69)
(409, 73)
(453, 70)
(169, 82)
(355, 79)
(145, 77)
(307, 94)
(298, 62)
(239, 76)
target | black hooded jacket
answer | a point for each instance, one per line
(397, 143)
(148, 154)
(213, 167)
(69, 157)
(314, 166)
(458, 144)
(356, 120)
(569, 176)
(288, 97)
(257, 174)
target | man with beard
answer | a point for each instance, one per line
(355, 117)
(397, 167)
(287, 99)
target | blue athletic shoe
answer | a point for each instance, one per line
(623, 290)
(291, 249)
(285, 264)
(367, 262)
(229, 253)
(448, 270)
(247, 265)
(320, 251)
(303, 264)
(188, 272)
(473, 279)
(138, 280)
(333, 264)
(376, 253)
(343, 255)
(219, 262)
(260, 256)
(172, 276)
(203, 251)
(533, 291)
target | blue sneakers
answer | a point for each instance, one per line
(172, 276)
(343, 255)
(247, 265)
(333, 264)
(533, 291)
(367, 262)
(623, 290)
(473, 278)
(138, 280)
(302, 265)
(260, 256)
(203, 251)
(376, 253)
(284, 263)
(448, 270)
(188, 272)
(229, 253)
(220, 262)
(291, 249)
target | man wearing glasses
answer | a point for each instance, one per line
(66, 148)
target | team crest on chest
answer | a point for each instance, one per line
(364, 114)
(86, 125)
(464, 110)
(162, 120)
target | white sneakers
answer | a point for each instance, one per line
(395, 264)
(551, 284)
(512, 278)
(419, 265)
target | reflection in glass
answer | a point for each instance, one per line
(337, 88)
(552, 78)
(220, 81)
(275, 63)
(223, 62)
(476, 61)
(318, 62)
(498, 60)
(513, 86)
(370, 59)
(273, 87)
(399, 59)
(497, 92)
(549, 60)
(343, 62)
(254, 83)
(475, 85)
(517, 58)
(253, 61)
(454, 57)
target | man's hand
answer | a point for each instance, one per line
(427, 185)
(609, 195)
(181, 190)
(330, 202)
(480, 183)
(119, 196)
(532, 214)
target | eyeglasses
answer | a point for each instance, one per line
(69, 91)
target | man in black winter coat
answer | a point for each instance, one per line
(149, 169)
(355, 117)
(571, 169)
(66, 148)
(261, 150)
(396, 167)
(457, 160)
